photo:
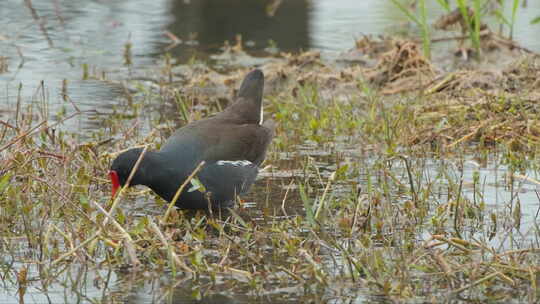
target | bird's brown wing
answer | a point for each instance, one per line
(237, 142)
(215, 139)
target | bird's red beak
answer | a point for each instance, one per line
(115, 181)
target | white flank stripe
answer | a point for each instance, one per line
(236, 163)
(261, 120)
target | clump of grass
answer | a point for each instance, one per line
(470, 15)
(420, 21)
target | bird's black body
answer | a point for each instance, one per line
(232, 143)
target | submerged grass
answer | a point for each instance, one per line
(369, 195)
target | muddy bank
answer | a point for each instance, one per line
(441, 97)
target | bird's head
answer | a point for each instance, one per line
(121, 168)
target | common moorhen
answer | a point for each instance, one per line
(232, 143)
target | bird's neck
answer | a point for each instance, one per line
(159, 172)
(245, 111)
(151, 164)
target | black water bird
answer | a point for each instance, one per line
(232, 143)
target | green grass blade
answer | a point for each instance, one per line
(474, 33)
(310, 215)
(444, 4)
(501, 17)
(4, 181)
(426, 40)
(515, 7)
(182, 105)
(477, 23)
(407, 12)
